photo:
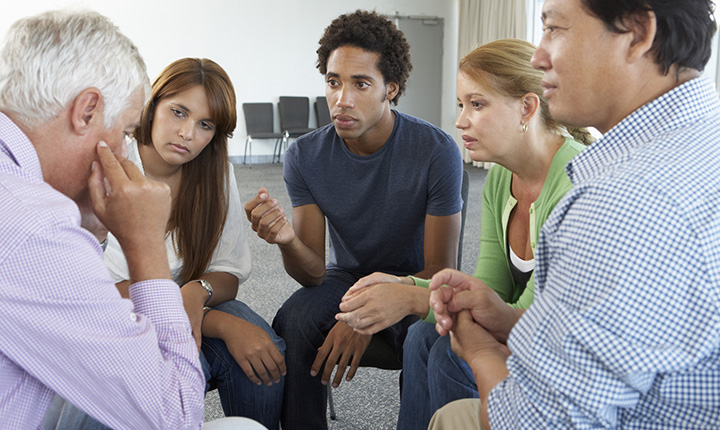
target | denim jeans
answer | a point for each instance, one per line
(238, 395)
(303, 321)
(433, 376)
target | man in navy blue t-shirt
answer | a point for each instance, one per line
(388, 186)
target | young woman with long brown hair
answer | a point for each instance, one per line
(182, 141)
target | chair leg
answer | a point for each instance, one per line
(331, 404)
(279, 146)
(248, 142)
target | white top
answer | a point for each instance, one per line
(524, 266)
(232, 254)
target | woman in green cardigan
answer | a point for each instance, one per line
(504, 119)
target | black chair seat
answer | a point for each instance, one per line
(380, 354)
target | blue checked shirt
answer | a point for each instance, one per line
(131, 364)
(625, 328)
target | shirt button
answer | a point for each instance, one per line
(133, 317)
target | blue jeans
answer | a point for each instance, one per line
(433, 376)
(303, 321)
(238, 395)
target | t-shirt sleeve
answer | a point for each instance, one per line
(445, 179)
(296, 187)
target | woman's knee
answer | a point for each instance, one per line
(420, 338)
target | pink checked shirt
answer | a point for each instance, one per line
(66, 330)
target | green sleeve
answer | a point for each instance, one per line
(425, 283)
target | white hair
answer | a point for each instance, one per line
(48, 59)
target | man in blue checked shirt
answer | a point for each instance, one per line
(625, 328)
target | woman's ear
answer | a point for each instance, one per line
(530, 103)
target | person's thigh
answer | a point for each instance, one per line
(73, 418)
(449, 376)
(460, 414)
(315, 306)
(243, 311)
(304, 321)
(240, 396)
(415, 409)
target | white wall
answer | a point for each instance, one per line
(267, 47)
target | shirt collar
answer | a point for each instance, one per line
(18, 148)
(686, 103)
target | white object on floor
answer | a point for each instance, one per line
(233, 423)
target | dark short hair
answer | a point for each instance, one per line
(373, 33)
(684, 28)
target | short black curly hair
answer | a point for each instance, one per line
(373, 33)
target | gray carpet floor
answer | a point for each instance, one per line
(371, 400)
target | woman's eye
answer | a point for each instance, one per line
(178, 113)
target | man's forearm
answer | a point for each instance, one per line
(489, 370)
(302, 263)
(147, 261)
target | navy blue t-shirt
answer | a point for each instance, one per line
(375, 205)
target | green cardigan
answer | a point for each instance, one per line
(493, 267)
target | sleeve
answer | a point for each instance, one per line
(425, 283)
(294, 181)
(626, 319)
(492, 266)
(445, 179)
(233, 253)
(67, 326)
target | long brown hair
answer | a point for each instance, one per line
(505, 63)
(200, 208)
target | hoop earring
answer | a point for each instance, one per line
(525, 128)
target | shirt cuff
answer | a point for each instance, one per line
(425, 283)
(158, 299)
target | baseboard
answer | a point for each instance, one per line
(253, 159)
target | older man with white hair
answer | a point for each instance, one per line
(71, 87)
